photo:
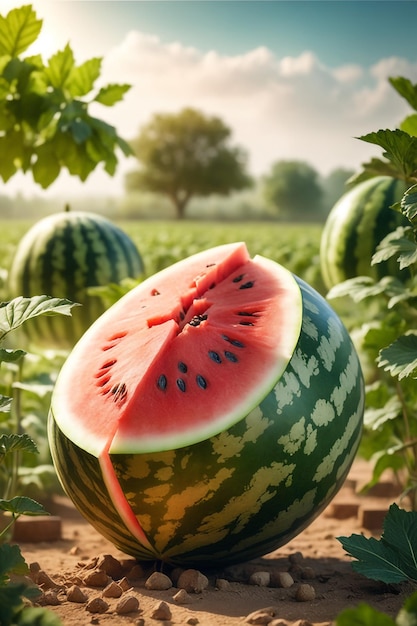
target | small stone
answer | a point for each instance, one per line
(283, 580)
(45, 581)
(158, 582)
(260, 579)
(308, 573)
(128, 604)
(51, 598)
(113, 590)
(192, 581)
(34, 568)
(97, 605)
(262, 616)
(124, 584)
(222, 584)
(96, 578)
(182, 597)
(305, 593)
(136, 573)
(296, 558)
(74, 551)
(161, 612)
(192, 621)
(75, 594)
(113, 568)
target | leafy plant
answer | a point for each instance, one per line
(365, 615)
(392, 558)
(12, 443)
(45, 123)
(389, 338)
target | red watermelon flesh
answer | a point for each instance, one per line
(181, 357)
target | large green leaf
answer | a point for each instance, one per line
(399, 147)
(400, 357)
(60, 67)
(363, 615)
(391, 559)
(11, 560)
(406, 89)
(19, 310)
(18, 30)
(82, 78)
(16, 442)
(21, 505)
(399, 244)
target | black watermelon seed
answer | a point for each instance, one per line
(215, 356)
(162, 382)
(246, 324)
(247, 285)
(182, 367)
(197, 319)
(210, 264)
(235, 342)
(237, 279)
(246, 314)
(119, 392)
(230, 356)
(181, 384)
(182, 315)
(201, 381)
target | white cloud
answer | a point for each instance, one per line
(288, 108)
(294, 107)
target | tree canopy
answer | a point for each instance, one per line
(186, 154)
(293, 188)
(45, 123)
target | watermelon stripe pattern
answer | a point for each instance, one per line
(355, 226)
(61, 256)
(250, 489)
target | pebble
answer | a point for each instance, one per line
(284, 580)
(308, 573)
(128, 604)
(261, 579)
(158, 582)
(192, 581)
(182, 597)
(113, 590)
(97, 605)
(124, 584)
(222, 584)
(75, 594)
(161, 612)
(50, 597)
(192, 621)
(96, 578)
(113, 568)
(305, 593)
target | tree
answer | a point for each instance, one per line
(293, 187)
(44, 120)
(334, 186)
(187, 154)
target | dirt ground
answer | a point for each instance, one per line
(314, 558)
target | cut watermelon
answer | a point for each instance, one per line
(183, 356)
(211, 413)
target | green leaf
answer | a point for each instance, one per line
(18, 30)
(21, 505)
(83, 77)
(11, 560)
(409, 203)
(399, 244)
(400, 149)
(362, 287)
(5, 403)
(409, 124)
(36, 616)
(16, 442)
(19, 310)
(60, 67)
(111, 94)
(408, 613)
(375, 418)
(46, 168)
(400, 357)
(363, 615)
(391, 559)
(11, 356)
(406, 89)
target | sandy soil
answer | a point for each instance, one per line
(314, 558)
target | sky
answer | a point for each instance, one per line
(293, 79)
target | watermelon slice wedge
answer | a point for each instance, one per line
(183, 356)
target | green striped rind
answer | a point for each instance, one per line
(355, 226)
(250, 489)
(62, 255)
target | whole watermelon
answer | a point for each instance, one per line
(211, 413)
(63, 255)
(357, 223)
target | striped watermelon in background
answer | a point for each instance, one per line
(357, 223)
(208, 490)
(61, 256)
